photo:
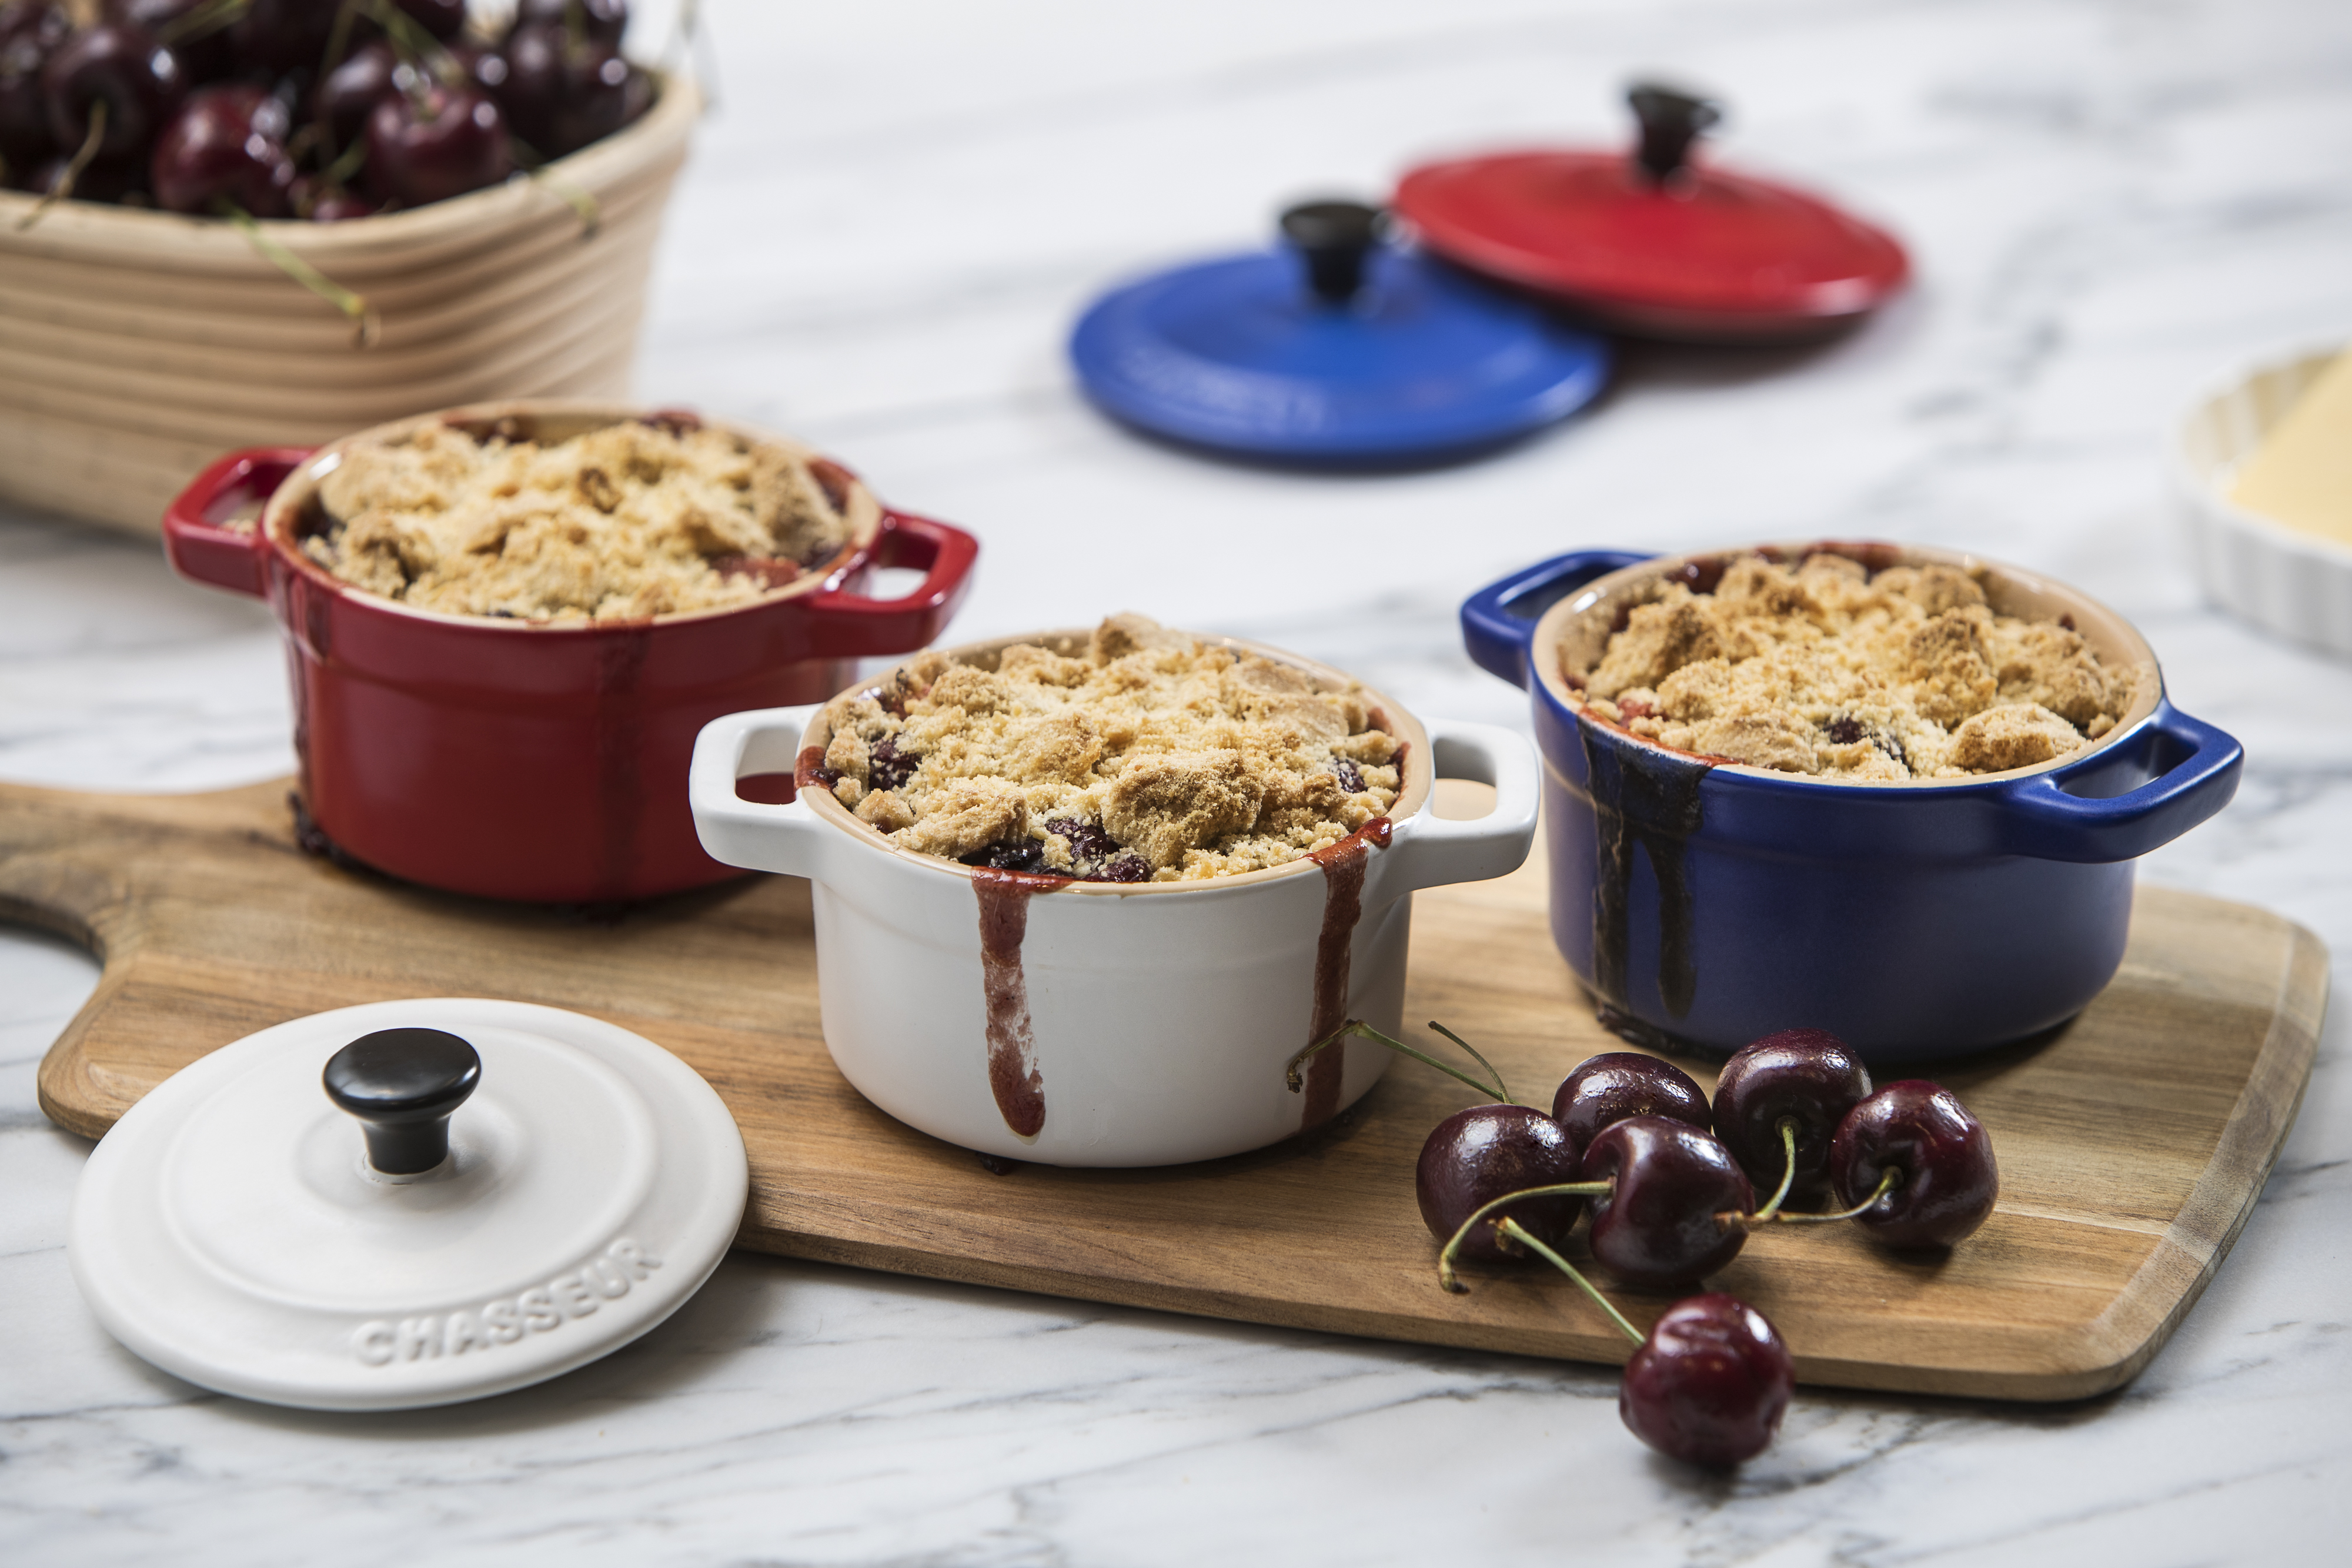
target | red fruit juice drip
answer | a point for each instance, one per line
(620, 773)
(1343, 907)
(1013, 1075)
(810, 769)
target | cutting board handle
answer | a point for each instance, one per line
(199, 538)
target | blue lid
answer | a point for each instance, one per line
(1335, 348)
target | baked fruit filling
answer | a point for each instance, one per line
(636, 520)
(1145, 756)
(1829, 668)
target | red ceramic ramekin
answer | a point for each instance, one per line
(511, 760)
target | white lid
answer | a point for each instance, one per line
(230, 1230)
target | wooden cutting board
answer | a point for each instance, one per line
(2133, 1141)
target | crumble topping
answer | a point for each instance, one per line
(1826, 668)
(1150, 757)
(632, 521)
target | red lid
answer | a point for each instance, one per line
(1653, 243)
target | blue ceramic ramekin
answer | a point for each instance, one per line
(1706, 904)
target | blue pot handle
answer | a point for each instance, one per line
(1497, 636)
(2197, 768)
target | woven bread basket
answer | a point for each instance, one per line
(137, 346)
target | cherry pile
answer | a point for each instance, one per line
(1670, 1180)
(321, 109)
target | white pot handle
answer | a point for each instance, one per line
(1431, 851)
(749, 833)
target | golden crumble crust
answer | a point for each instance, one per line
(1827, 668)
(1152, 756)
(623, 523)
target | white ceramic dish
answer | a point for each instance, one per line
(2268, 573)
(1150, 1023)
(228, 1228)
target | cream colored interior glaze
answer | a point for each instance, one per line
(547, 419)
(228, 1230)
(1573, 633)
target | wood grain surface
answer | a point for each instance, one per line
(2133, 1141)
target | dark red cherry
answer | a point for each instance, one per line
(532, 81)
(227, 144)
(1808, 1076)
(485, 67)
(1620, 1083)
(205, 57)
(1947, 1179)
(602, 93)
(440, 142)
(30, 32)
(138, 79)
(324, 203)
(43, 20)
(1710, 1384)
(442, 19)
(121, 180)
(345, 96)
(596, 21)
(279, 35)
(1657, 1227)
(1488, 1152)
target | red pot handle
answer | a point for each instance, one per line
(202, 549)
(852, 625)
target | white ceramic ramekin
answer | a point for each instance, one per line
(1149, 1022)
(2271, 574)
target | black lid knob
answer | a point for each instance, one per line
(1670, 120)
(404, 1083)
(1334, 237)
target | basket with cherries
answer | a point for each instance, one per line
(1671, 1182)
(323, 110)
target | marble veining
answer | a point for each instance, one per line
(888, 226)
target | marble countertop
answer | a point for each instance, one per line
(888, 225)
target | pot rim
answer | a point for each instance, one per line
(280, 512)
(2114, 638)
(1413, 795)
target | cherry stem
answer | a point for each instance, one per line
(1499, 1090)
(339, 36)
(412, 42)
(1445, 1276)
(1290, 1073)
(201, 21)
(1887, 1183)
(592, 216)
(80, 160)
(339, 45)
(366, 326)
(1787, 1170)
(346, 164)
(1518, 1233)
